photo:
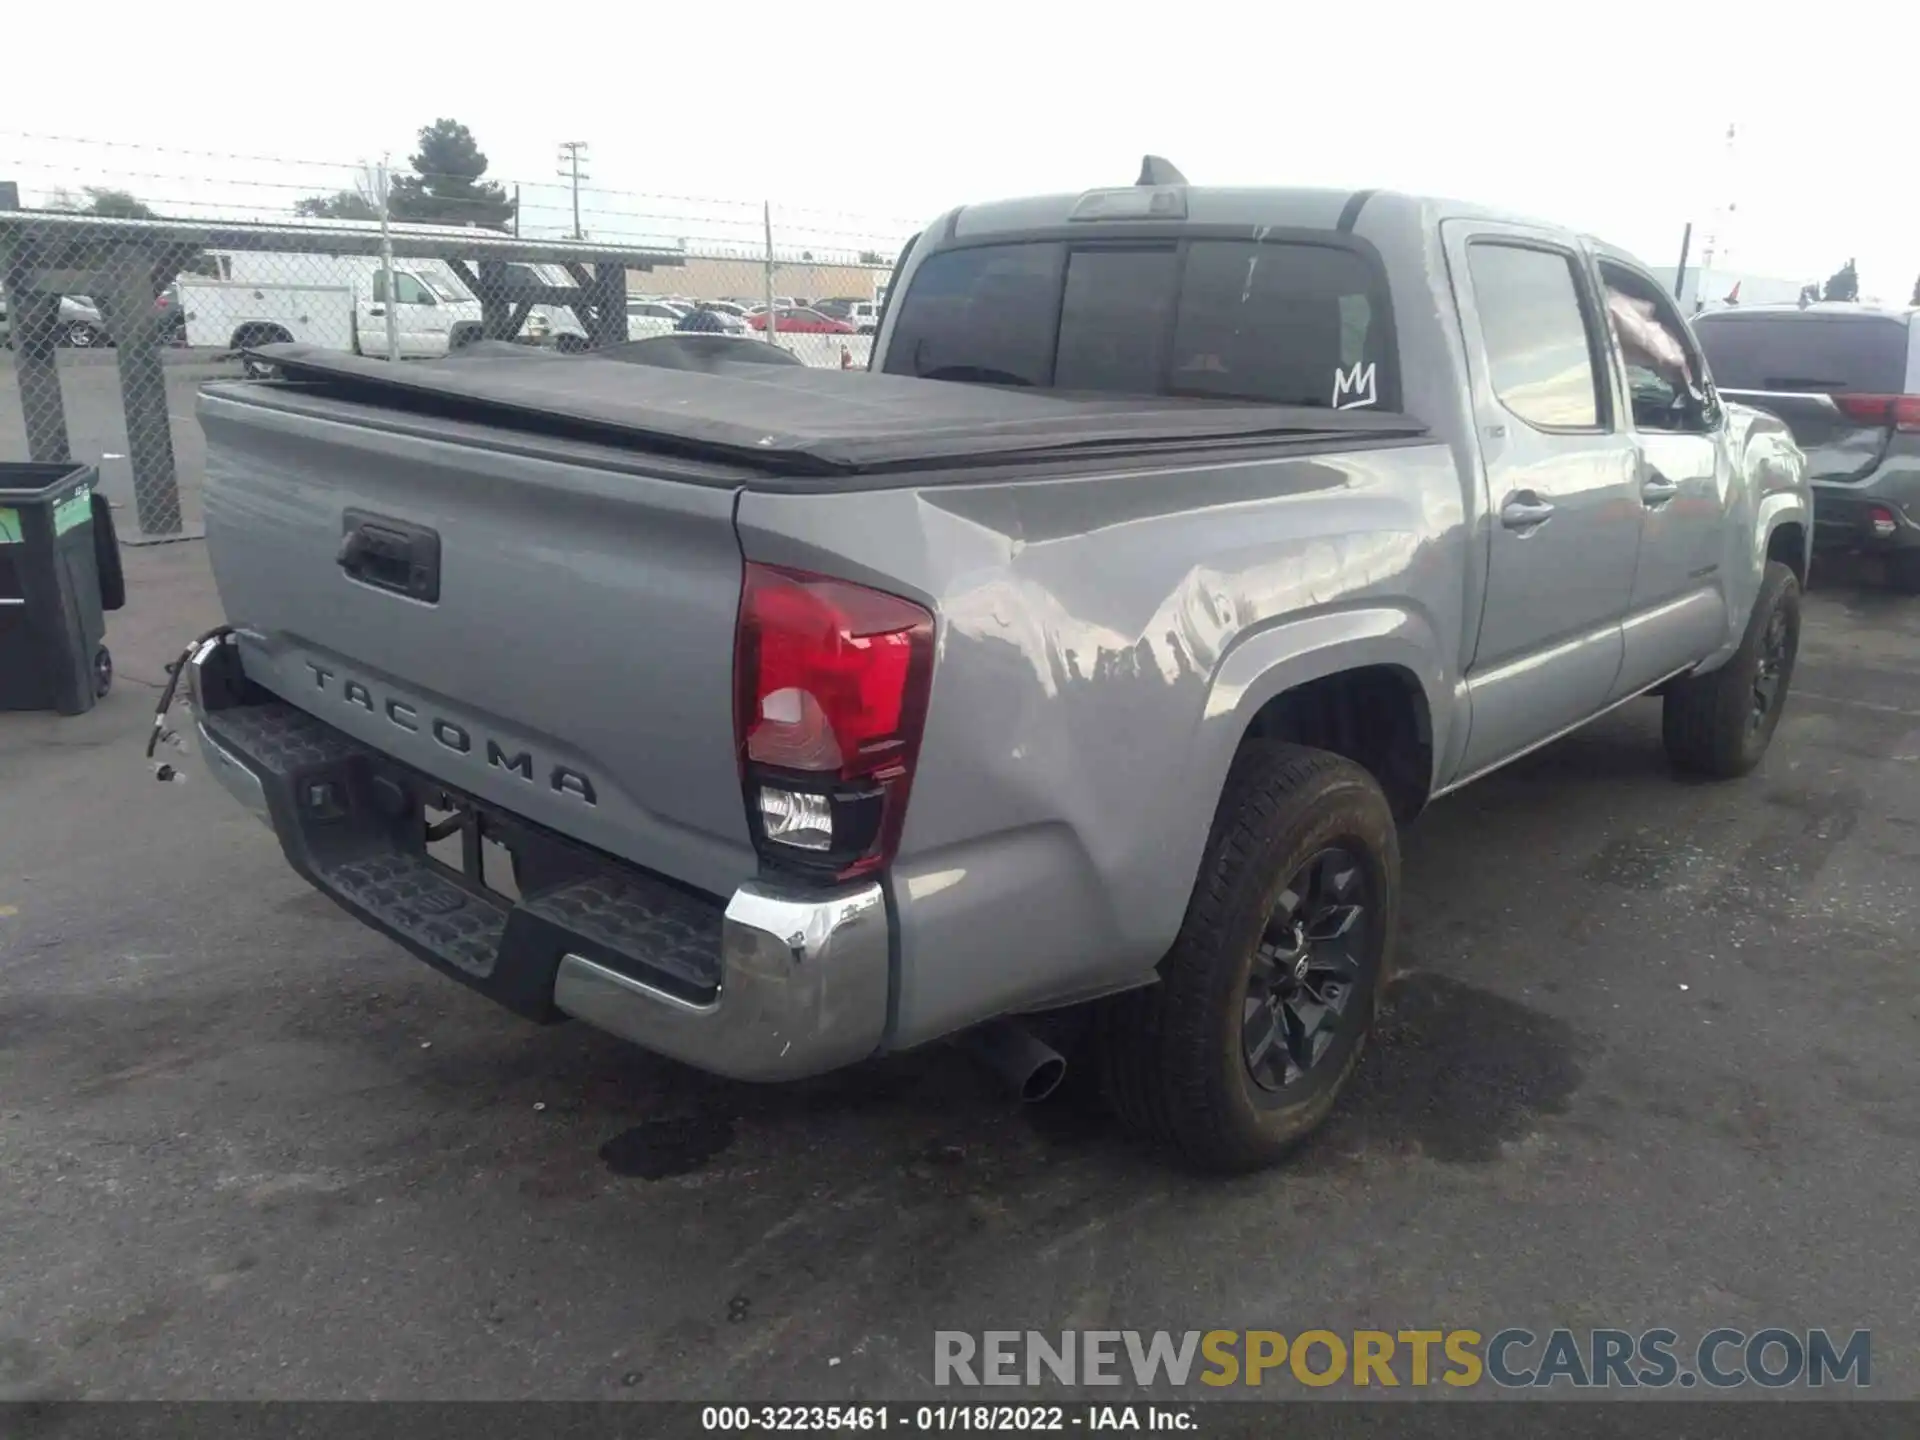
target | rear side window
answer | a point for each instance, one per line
(1539, 350)
(1288, 322)
(1293, 323)
(1806, 351)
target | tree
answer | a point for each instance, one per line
(446, 188)
(341, 205)
(1916, 294)
(1843, 284)
(1809, 294)
(117, 204)
(872, 257)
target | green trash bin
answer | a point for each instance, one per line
(59, 574)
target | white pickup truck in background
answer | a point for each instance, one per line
(338, 302)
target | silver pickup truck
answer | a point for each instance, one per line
(1180, 544)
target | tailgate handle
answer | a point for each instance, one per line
(391, 555)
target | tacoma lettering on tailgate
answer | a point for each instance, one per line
(452, 735)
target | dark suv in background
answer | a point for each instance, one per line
(1846, 378)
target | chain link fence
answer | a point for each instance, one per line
(112, 322)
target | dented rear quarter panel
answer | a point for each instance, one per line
(1103, 641)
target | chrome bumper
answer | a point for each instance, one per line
(803, 989)
(226, 767)
(232, 773)
(804, 977)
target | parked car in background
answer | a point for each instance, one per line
(81, 325)
(725, 307)
(647, 318)
(704, 319)
(801, 322)
(1846, 379)
(862, 315)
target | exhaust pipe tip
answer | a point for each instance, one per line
(1044, 1079)
(1017, 1058)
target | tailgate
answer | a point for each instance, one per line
(1803, 365)
(574, 665)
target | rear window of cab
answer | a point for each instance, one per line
(1278, 322)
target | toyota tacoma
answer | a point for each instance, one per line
(1085, 653)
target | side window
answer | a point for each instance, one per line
(411, 291)
(1539, 351)
(1666, 379)
(208, 266)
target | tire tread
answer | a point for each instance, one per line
(1154, 1041)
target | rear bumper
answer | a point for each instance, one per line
(772, 985)
(1849, 517)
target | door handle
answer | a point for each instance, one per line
(1525, 511)
(1657, 489)
(375, 310)
(391, 555)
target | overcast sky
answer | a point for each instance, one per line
(1611, 118)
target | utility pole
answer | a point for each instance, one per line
(572, 152)
(1722, 219)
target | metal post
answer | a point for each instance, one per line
(773, 319)
(386, 260)
(127, 300)
(570, 158)
(36, 325)
(516, 210)
(1680, 271)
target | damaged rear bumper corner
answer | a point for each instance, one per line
(803, 978)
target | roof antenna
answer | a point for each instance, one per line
(1157, 170)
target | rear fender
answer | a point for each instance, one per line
(1771, 470)
(1269, 662)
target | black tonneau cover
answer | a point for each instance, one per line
(803, 420)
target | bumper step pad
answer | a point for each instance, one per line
(411, 897)
(640, 920)
(332, 802)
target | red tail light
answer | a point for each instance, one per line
(830, 695)
(1902, 412)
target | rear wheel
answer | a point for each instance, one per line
(1720, 724)
(81, 335)
(1266, 1000)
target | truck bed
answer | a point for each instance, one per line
(798, 421)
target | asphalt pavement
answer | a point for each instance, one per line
(1651, 1062)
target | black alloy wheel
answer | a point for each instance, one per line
(1306, 969)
